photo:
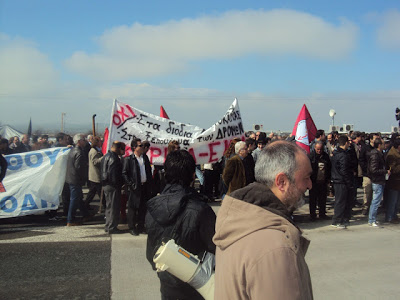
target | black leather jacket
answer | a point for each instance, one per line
(111, 170)
(376, 167)
(194, 232)
(77, 167)
(315, 159)
(342, 169)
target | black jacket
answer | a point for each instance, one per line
(131, 175)
(249, 165)
(364, 157)
(77, 167)
(376, 167)
(315, 159)
(111, 170)
(342, 169)
(195, 233)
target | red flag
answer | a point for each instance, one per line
(105, 142)
(304, 129)
(163, 113)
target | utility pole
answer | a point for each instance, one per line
(62, 121)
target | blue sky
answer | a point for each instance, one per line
(195, 58)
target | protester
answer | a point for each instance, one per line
(182, 214)
(261, 143)
(112, 181)
(376, 171)
(321, 165)
(95, 157)
(248, 161)
(137, 176)
(234, 175)
(260, 251)
(393, 183)
(3, 163)
(343, 182)
(76, 177)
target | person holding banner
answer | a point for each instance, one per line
(136, 172)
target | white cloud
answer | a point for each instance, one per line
(388, 34)
(24, 69)
(139, 50)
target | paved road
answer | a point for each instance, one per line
(43, 260)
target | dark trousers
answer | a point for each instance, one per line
(137, 211)
(94, 188)
(211, 182)
(76, 202)
(318, 196)
(343, 200)
(113, 202)
(65, 196)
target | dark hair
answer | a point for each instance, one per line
(60, 136)
(118, 145)
(342, 140)
(179, 168)
(4, 141)
(134, 142)
(250, 141)
(320, 132)
(377, 142)
(355, 135)
(146, 144)
(396, 143)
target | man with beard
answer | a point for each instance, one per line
(260, 251)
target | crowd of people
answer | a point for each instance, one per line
(261, 180)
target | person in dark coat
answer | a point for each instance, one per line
(76, 177)
(248, 161)
(376, 171)
(321, 165)
(343, 182)
(136, 172)
(112, 181)
(181, 208)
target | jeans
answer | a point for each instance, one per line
(76, 201)
(199, 175)
(393, 200)
(377, 193)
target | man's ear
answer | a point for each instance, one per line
(281, 182)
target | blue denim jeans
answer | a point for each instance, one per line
(392, 206)
(377, 193)
(76, 201)
(199, 175)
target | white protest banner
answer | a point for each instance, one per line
(206, 146)
(33, 182)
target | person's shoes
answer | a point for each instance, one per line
(74, 224)
(134, 232)
(115, 231)
(339, 226)
(394, 221)
(105, 230)
(54, 219)
(324, 217)
(373, 224)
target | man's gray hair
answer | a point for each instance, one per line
(277, 157)
(239, 145)
(77, 137)
(319, 143)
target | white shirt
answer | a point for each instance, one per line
(142, 168)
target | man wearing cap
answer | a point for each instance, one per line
(260, 251)
(261, 143)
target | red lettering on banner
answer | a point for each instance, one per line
(116, 120)
(122, 114)
(154, 153)
(131, 111)
(128, 150)
(192, 153)
(212, 152)
(203, 154)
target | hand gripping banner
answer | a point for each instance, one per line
(206, 146)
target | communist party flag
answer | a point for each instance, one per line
(304, 129)
(163, 113)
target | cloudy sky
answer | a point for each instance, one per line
(75, 57)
